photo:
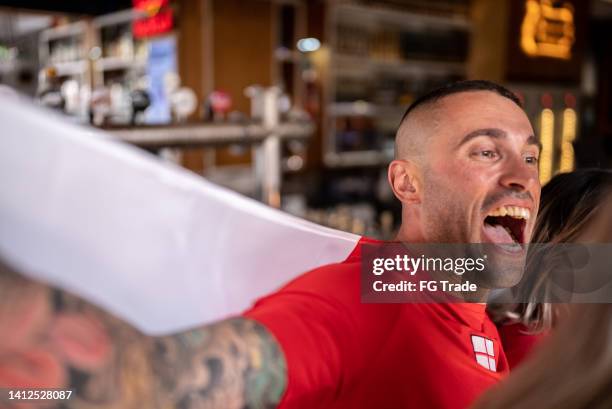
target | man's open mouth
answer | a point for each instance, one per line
(506, 225)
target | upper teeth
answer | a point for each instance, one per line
(513, 211)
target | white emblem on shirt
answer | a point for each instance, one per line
(484, 352)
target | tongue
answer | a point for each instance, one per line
(498, 234)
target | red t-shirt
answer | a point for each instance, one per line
(518, 343)
(341, 353)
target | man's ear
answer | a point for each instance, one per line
(404, 181)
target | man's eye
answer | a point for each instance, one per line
(532, 160)
(487, 154)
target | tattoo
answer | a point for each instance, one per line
(233, 364)
(53, 339)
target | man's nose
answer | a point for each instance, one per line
(519, 175)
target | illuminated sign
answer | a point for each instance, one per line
(548, 30)
(568, 135)
(547, 138)
(158, 21)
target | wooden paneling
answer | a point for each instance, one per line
(315, 27)
(224, 45)
(194, 65)
(242, 49)
(487, 58)
(242, 54)
(191, 29)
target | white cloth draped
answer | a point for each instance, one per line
(150, 242)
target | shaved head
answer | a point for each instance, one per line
(415, 132)
(423, 117)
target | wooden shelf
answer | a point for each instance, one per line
(358, 159)
(356, 14)
(383, 32)
(67, 68)
(68, 30)
(119, 63)
(351, 65)
(207, 134)
(363, 108)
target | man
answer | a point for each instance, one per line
(465, 156)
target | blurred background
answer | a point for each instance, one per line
(296, 103)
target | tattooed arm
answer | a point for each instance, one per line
(52, 339)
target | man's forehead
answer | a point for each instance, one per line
(462, 101)
(469, 111)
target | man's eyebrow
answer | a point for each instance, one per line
(533, 140)
(497, 133)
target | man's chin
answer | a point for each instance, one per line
(511, 250)
(505, 265)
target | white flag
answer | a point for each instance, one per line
(150, 242)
